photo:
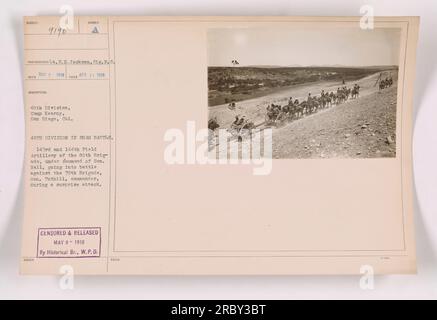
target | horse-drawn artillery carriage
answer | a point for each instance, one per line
(278, 115)
(384, 83)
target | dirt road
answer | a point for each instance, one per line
(362, 128)
(255, 109)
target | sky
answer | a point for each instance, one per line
(303, 46)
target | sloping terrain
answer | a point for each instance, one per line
(361, 128)
(255, 109)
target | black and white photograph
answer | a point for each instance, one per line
(324, 92)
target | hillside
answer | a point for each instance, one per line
(362, 128)
(255, 109)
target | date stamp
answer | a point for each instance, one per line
(81, 242)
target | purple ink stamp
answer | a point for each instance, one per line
(82, 242)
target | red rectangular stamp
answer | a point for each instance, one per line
(82, 242)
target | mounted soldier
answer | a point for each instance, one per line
(213, 124)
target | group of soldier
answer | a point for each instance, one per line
(386, 83)
(296, 109)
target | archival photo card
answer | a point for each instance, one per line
(218, 145)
